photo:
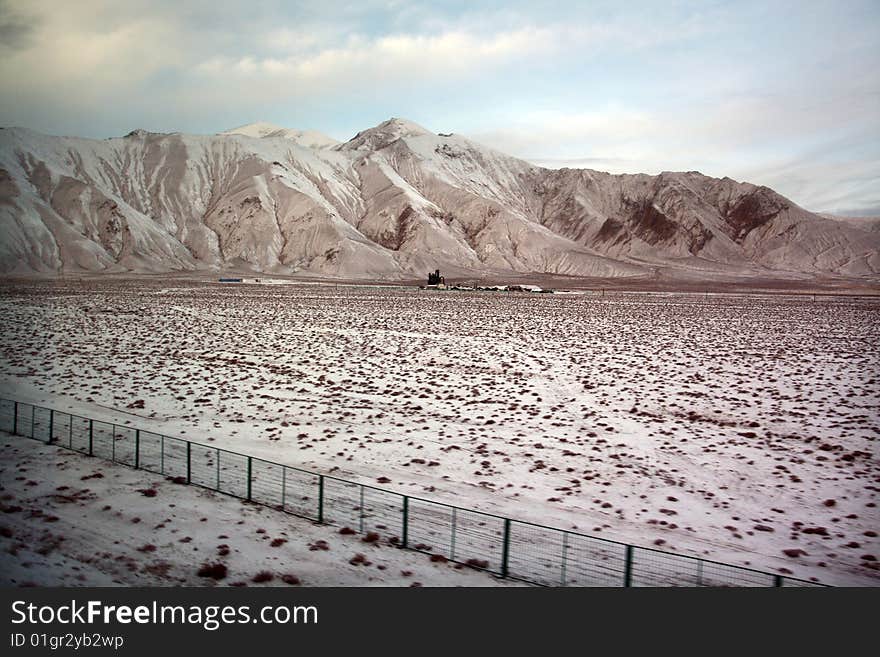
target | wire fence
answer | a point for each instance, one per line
(503, 546)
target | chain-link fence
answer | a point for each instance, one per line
(502, 546)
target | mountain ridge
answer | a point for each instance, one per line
(392, 202)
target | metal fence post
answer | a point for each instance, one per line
(283, 487)
(405, 528)
(777, 581)
(91, 437)
(452, 534)
(113, 445)
(188, 462)
(505, 549)
(218, 468)
(137, 449)
(51, 425)
(250, 475)
(33, 416)
(564, 557)
(15, 419)
(320, 498)
(361, 510)
(627, 571)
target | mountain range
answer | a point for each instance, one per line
(391, 203)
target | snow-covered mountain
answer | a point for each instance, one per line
(393, 202)
(307, 138)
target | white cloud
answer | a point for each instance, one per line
(538, 134)
(362, 60)
(71, 53)
(811, 156)
(639, 89)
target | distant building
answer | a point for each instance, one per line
(438, 282)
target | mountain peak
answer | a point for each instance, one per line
(255, 129)
(404, 127)
(385, 133)
(266, 130)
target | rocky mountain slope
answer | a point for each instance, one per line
(393, 202)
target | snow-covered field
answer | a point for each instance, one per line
(71, 520)
(736, 428)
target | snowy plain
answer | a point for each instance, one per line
(739, 428)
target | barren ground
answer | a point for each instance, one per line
(731, 426)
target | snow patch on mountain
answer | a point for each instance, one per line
(263, 130)
(393, 202)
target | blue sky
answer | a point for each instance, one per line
(785, 94)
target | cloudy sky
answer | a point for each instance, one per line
(785, 94)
